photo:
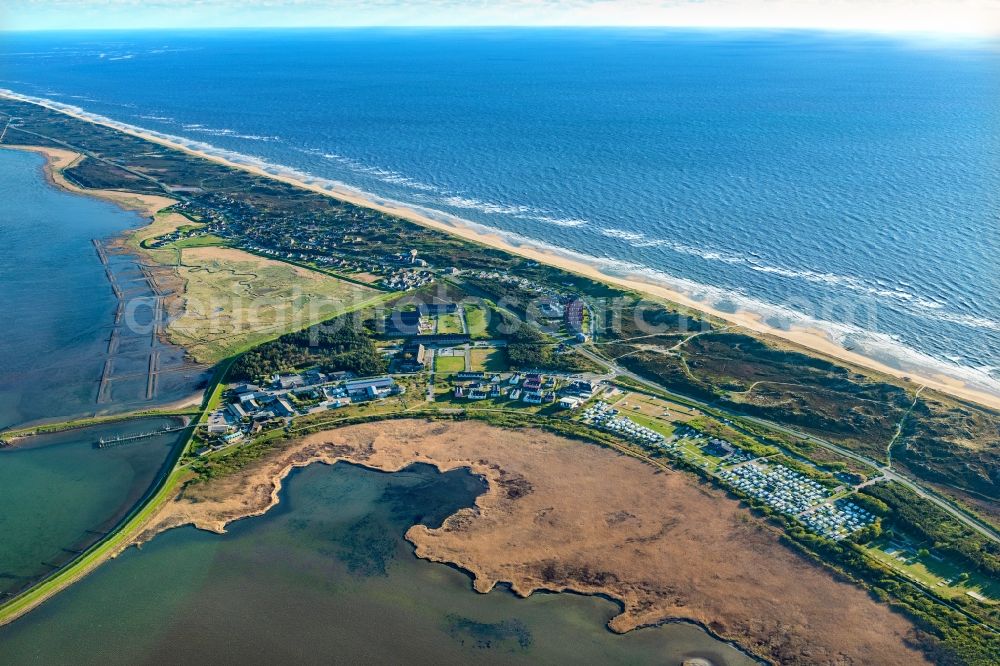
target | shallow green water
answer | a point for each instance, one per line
(327, 577)
(58, 493)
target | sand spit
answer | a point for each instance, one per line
(59, 159)
(565, 516)
(164, 277)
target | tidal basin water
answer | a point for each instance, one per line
(326, 576)
(61, 312)
(59, 493)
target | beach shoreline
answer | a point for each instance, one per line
(810, 340)
(59, 159)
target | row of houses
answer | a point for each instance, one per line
(251, 407)
(406, 279)
(530, 388)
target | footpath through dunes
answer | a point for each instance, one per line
(566, 516)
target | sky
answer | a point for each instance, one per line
(970, 17)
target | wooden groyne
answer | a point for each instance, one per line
(103, 256)
(151, 380)
(104, 390)
(119, 311)
(148, 274)
(157, 317)
(114, 341)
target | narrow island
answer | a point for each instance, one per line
(795, 499)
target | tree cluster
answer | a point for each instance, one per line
(335, 345)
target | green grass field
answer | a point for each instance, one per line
(931, 571)
(489, 360)
(163, 222)
(449, 323)
(207, 240)
(449, 364)
(475, 318)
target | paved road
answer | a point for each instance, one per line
(886, 470)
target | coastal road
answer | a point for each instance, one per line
(886, 470)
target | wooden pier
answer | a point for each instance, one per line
(121, 440)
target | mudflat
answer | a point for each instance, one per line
(564, 515)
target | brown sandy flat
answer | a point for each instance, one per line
(563, 515)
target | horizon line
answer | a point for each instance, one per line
(902, 32)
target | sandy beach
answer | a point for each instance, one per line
(808, 339)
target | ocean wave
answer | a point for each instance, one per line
(518, 211)
(486, 206)
(906, 299)
(380, 173)
(882, 347)
(561, 221)
(150, 116)
(83, 97)
(633, 238)
(445, 198)
(212, 131)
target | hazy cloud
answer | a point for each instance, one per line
(951, 16)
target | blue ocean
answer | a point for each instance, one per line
(846, 182)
